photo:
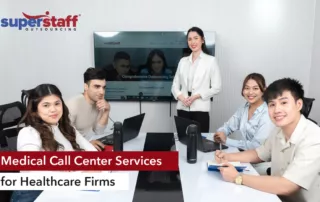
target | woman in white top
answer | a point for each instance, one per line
(196, 81)
(48, 128)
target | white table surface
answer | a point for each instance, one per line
(198, 184)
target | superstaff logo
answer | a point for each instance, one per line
(42, 22)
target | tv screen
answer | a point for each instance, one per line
(142, 65)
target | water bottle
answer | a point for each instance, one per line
(117, 137)
(192, 143)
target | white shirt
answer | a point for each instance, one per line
(297, 160)
(29, 140)
(192, 70)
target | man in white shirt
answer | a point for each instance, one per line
(89, 112)
(293, 148)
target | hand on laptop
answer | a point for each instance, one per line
(97, 144)
(220, 137)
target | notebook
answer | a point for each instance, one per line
(214, 166)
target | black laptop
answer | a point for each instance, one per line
(204, 144)
(130, 127)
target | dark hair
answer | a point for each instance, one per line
(186, 51)
(258, 78)
(31, 118)
(94, 73)
(121, 55)
(150, 57)
(276, 89)
(200, 32)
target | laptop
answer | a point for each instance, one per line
(204, 144)
(130, 128)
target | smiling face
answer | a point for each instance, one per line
(157, 64)
(284, 110)
(195, 41)
(252, 92)
(50, 109)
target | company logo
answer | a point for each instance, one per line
(45, 22)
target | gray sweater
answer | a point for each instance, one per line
(84, 116)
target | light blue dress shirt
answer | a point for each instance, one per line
(254, 131)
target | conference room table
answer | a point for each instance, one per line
(198, 184)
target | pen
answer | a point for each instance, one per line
(220, 146)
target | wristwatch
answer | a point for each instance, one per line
(238, 179)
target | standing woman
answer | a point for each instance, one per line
(48, 128)
(197, 80)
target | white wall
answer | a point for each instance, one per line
(268, 36)
(315, 68)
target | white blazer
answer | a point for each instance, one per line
(206, 82)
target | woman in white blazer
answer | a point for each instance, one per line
(197, 79)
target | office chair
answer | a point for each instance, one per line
(306, 108)
(10, 116)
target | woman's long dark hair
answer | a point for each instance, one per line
(31, 118)
(200, 32)
(150, 57)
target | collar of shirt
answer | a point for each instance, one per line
(200, 56)
(260, 109)
(297, 134)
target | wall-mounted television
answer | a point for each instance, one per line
(140, 66)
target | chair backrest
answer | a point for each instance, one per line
(11, 114)
(307, 106)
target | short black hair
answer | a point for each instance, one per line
(94, 73)
(276, 89)
(121, 55)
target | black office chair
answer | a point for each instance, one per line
(10, 116)
(306, 108)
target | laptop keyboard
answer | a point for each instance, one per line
(108, 140)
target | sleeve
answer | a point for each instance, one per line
(84, 143)
(263, 132)
(215, 80)
(175, 89)
(305, 166)
(29, 140)
(233, 124)
(264, 151)
(99, 129)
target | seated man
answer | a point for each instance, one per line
(293, 148)
(89, 112)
